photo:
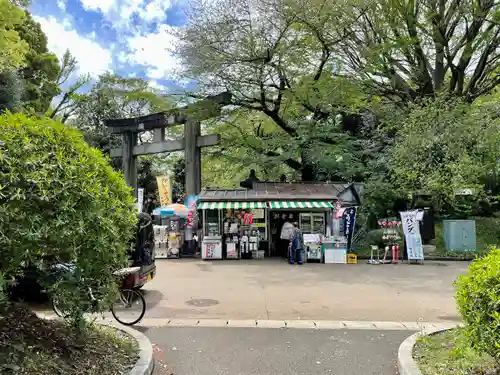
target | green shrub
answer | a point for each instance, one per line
(60, 201)
(478, 299)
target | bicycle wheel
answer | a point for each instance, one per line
(56, 306)
(130, 307)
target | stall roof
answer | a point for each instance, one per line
(278, 191)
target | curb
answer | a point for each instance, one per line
(416, 326)
(406, 364)
(296, 324)
(145, 363)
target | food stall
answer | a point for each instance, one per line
(169, 230)
(249, 222)
(239, 227)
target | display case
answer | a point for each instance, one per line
(312, 223)
(318, 223)
(306, 223)
(259, 222)
(212, 223)
(233, 218)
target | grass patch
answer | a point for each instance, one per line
(448, 353)
(30, 345)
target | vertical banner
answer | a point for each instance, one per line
(164, 190)
(349, 223)
(411, 229)
(140, 199)
(191, 222)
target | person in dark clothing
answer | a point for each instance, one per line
(296, 245)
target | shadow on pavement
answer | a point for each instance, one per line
(152, 297)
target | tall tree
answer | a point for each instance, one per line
(68, 104)
(13, 48)
(117, 97)
(408, 49)
(114, 97)
(42, 67)
(11, 92)
(278, 66)
(444, 145)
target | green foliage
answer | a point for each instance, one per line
(60, 201)
(444, 145)
(42, 67)
(11, 92)
(412, 49)
(450, 353)
(478, 300)
(13, 48)
(288, 108)
(305, 73)
(114, 97)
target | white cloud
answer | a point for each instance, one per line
(91, 56)
(155, 10)
(120, 12)
(156, 85)
(61, 4)
(154, 51)
(99, 5)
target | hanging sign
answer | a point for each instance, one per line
(411, 229)
(349, 223)
(191, 216)
(247, 219)
(164, 190)
(140, 199)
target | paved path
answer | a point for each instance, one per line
(253, 351)
(272, 290)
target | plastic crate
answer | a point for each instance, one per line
(352, 258)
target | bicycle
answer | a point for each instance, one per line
(128, 299)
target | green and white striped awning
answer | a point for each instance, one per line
(303, 204)
(235, 205)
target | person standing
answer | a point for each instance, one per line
(296, 245)
(286, 236)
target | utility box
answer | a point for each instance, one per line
(459, 235)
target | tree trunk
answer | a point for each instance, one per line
(308, 172)
(308, 169)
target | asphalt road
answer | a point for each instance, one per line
(258, 351)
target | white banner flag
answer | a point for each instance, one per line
(411, 229)
(140, 199)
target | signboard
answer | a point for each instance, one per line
(164, 190)
(411, 229)
(191, 216)
(464, 191)
(140, 199)
(191, 223)
(349, 224)
(258, 213)
(212, 250)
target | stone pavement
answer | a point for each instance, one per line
(271, 289)
(251, 351)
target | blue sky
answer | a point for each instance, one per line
(128, 37)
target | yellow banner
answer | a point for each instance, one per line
(164, 190)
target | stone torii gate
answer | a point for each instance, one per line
(191, 143)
